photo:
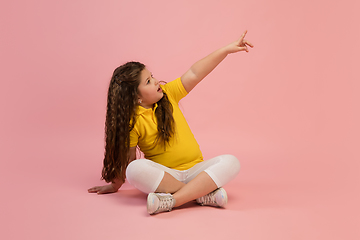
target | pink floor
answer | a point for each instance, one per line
(288, 198)
(288, 109)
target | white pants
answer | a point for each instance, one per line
(146, 175)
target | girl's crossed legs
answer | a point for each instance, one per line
(203, 178)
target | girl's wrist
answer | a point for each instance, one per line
(116, 184)
(225, 50)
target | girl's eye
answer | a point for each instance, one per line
(148, 81)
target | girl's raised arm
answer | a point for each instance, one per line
(203, 67)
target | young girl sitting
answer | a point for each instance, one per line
(143, 113)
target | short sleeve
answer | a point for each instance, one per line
(134, 137)
(175, 89)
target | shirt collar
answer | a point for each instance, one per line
(141, 110)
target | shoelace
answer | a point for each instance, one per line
(208, 199)
(165, 203)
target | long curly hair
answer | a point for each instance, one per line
(122, 104)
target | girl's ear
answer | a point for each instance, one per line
(139, 98)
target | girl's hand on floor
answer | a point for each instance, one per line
(240, 45)
(102, 189)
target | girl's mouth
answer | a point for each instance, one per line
(159, 90)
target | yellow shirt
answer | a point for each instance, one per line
(183, 151)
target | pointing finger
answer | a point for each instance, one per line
(243, 36)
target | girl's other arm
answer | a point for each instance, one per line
(116, 183)
(203, 67)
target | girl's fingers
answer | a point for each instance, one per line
(243, 49)
(248, 43)
(243, 36)
(93, 189)
(242, 42)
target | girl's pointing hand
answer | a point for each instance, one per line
(240, 45)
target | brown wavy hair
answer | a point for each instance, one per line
(122, 103)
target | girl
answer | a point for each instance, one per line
(143, 113)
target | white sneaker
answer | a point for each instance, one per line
(217, 198)
(159, 202)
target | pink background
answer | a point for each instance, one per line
(289, 110)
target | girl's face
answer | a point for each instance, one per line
(149, 89)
